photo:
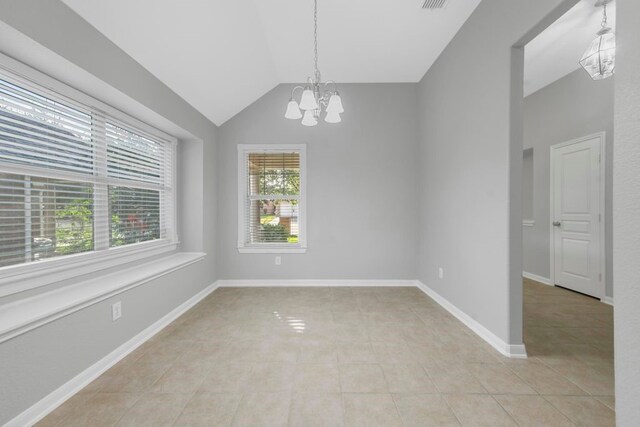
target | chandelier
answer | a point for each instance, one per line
(316, 96)
(599, 60)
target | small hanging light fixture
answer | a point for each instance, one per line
(315, 95)
(599, 60)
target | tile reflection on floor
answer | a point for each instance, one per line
(356, 357)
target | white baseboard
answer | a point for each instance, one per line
(546, 281)
(543, 280)
(312, 283)
(56, 398)
(509, 350)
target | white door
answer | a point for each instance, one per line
(576, 215)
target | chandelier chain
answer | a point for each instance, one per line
(604, 16)
(315, 39)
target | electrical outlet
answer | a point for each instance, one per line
(278, 260)
(116, 310)
(440, 273)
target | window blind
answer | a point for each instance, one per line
(272, 199)
(139, 177)
(74, 180)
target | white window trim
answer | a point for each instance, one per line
(272, 248)
(27, 314)
(23, 277)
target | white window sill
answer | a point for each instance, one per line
(23, 277)
(24, 315)
(274, 250)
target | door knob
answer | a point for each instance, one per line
(557, 223)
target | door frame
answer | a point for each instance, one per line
(603, 177)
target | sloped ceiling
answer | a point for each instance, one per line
(556, 52)
(213, 53)
(222, 55)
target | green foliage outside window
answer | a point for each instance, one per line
(74, 233)
(274, 233)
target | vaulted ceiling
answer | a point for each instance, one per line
(222, 55)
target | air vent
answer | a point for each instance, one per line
(434, 4)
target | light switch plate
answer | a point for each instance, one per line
(116, 310)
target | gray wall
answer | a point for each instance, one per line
(572, 107)
(362, 186)
(527, 184)
(38, 362)
(471, 164)
(626, 208)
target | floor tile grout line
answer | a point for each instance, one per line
(446, 402)
(565, 377)
(128, 409)
(386, 381)
(545, 400)
(183, 408)
(291, 394)
(560, 410)
(505, 409)
(235, 412)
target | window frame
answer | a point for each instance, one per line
(271, 248)
(23, 277)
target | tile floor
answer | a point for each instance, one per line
(356, 357)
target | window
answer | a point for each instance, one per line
(271, 198)
(75, 180)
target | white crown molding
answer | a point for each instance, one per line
(535, 277)
(57, 397)
(509, 350)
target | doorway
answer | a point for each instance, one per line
(566, 154)
(577, 210)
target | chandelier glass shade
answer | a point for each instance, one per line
(316, 97)
(599, 60)
(309, 118)
(293, 111)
